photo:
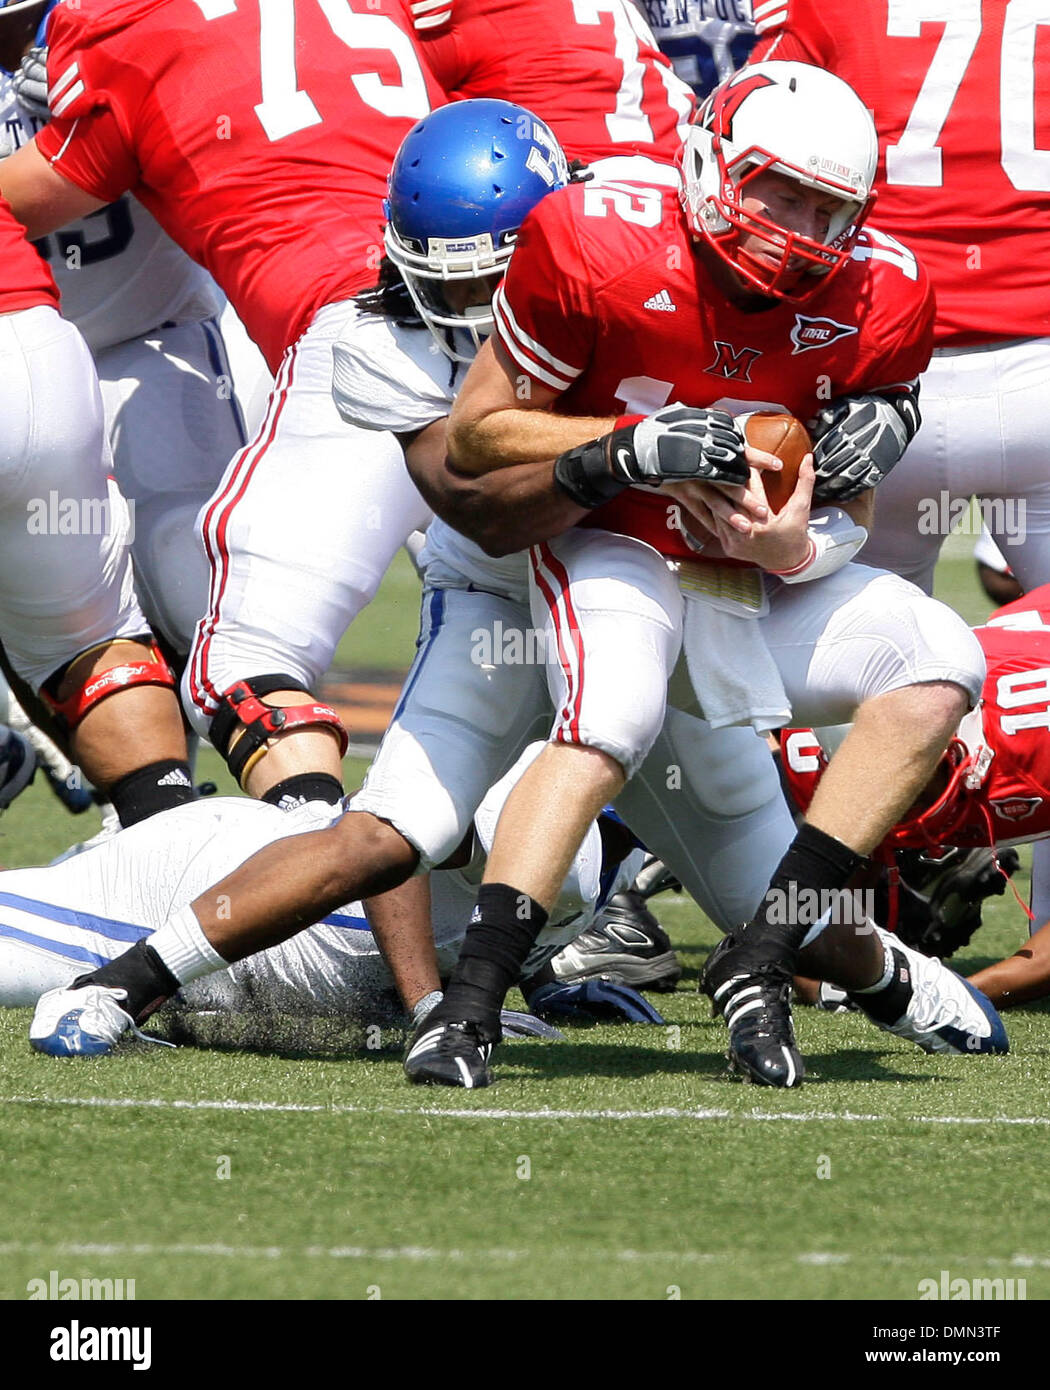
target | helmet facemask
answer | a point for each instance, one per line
(426, 271)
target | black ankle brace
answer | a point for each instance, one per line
(140, 971)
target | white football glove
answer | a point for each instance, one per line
(30, 84)
(859, 440)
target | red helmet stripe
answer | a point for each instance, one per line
(727, 99)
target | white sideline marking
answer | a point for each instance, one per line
(422, 1253)
(437, 1112)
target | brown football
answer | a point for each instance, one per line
(786, 438)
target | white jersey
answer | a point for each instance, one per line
(58, 922)
(706, 40)
(391, 376)
(119, 274)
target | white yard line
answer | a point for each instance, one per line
(422, 1254)
(441, 1112)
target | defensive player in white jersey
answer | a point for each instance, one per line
(56, 922)
(474, 686)
(706, 40)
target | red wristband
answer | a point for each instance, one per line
(624, 422)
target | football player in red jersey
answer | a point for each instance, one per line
(960, 95)
(766, 294)
(992, 787)
(597, 77)
(260, 138)
(71, 627)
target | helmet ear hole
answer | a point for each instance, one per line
(463, 181)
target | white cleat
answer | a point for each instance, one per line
(946, 1013)
(86, 1022)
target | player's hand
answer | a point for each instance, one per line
(859, 439)
(679, 442)
(738, 507)
(30, 85)
(676, 443)
(781, 542)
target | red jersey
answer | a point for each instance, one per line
(963, 113)
(606, 301)
(259, 136)
(589, 68)
(1004, 796)
(25, 281)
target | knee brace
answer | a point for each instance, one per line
(74, 708)
(244, 711)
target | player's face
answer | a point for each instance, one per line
(791, 205)
(461, 295)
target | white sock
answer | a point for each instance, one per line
(184, 949)
(423, 1006)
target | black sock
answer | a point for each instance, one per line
(142, 973)
(814, 861)
(888, 1004)
(503, 931)
(157, 787)
(306, 786)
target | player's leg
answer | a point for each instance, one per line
(610, 614)
(173, 425)
(863, 646)
(71, 626)
(449, 741)
(708, 803)
(462, 718)
(298, 536)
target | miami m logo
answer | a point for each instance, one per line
(733, 365)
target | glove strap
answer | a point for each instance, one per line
(583, 474)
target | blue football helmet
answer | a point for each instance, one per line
(461, 185)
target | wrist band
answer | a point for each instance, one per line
(811, 555)
(583, 473)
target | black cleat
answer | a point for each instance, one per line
(757, 1009)
(626, 944)
(449, 1054)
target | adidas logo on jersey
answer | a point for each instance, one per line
(175, 778)
(661, 300)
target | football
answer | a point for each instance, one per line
(787, 439)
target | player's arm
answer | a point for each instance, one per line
(501, 418)
(41, 198)
(504, 511)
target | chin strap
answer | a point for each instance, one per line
(100, 686)
(243, 712)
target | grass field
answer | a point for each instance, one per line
(619, 1164)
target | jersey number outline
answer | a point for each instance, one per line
(1017, 689)
(287, 108)
(916, 161)
(119, 231)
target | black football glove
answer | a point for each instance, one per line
(940, 902)
(859, 439)
(676, 444)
